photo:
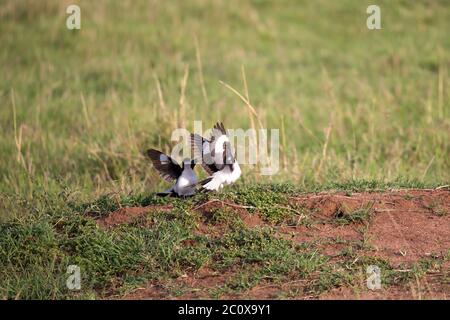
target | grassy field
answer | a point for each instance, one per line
(357, 110)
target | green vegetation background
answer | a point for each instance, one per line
(78, 107)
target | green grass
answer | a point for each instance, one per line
(36, 251)
(78, 107)
(37, 247)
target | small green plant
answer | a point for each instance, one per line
(345, 216)
(436, 208)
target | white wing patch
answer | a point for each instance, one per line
(224, 177)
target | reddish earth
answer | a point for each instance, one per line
(404, 227)
(430, 286)
(128, 215)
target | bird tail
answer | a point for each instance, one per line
(212, 184)
(168, 192)
(200, 183)
(163, 194)
(205, 181)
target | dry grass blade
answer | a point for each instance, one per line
(247, 103)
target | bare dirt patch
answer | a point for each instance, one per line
(192, 285)
(213, 225)
(209, 208)
(129, 214)
(427, 287)
(402, 227)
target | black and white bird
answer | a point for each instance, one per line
(216, 157)
(184, 175)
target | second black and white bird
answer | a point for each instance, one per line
(216, 157)
(184, 175)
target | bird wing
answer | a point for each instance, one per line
(204, 151)
(220, 127)
(168, 168)
(219, 131)
(201, 153)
